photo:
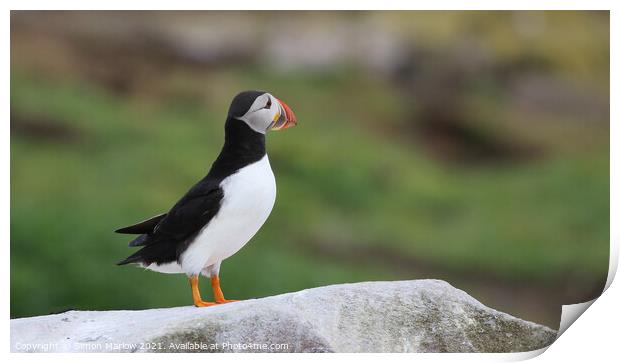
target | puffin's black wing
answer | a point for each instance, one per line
(145, 226)
(188, 216)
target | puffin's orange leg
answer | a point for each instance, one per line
(193, 282)
(217, 291)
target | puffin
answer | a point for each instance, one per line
(224, 209)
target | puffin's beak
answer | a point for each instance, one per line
(285, 118)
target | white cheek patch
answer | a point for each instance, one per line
(259, 118)
(258, 104)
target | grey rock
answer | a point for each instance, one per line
(400, 316)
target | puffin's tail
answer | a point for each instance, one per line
(141, 240)
(155, 252)
(136, 257)
(146, 226)
(130, 259)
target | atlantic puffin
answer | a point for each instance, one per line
(225, 209)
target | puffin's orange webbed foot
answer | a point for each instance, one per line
(217, 292)
(202, 304)
(225, 301)
(193, 282)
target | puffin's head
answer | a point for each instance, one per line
(261, 111)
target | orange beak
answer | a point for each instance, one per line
(285, 118)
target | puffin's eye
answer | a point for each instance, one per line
(268, 105)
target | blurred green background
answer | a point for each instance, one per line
(466, 146)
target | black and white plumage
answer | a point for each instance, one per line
(224, 210)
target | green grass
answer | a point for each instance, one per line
(341, 183)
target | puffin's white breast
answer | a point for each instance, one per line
(249, 195)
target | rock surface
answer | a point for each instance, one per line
(401, 316)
